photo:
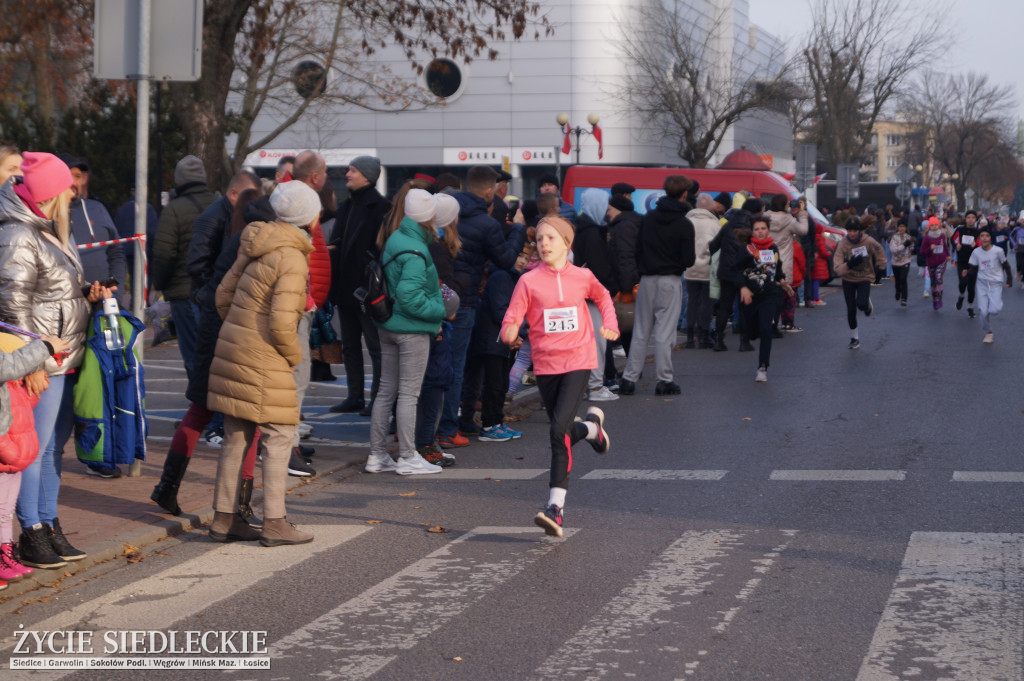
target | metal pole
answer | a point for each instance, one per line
(141, 184)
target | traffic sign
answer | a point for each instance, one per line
(903, 192)
(904, 173)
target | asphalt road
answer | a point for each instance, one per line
(855, 518)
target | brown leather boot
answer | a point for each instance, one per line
(280, 532)
(231, 527)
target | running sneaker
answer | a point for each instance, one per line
(600, 442)
(820, 303)
(515, 433)
(619, 351)
(792, 328)
(103, 472)
(297, 466)
(970, 312)
(415, 465)
(602, 394)
(214, 436)
(854, 343)
(989, 338)
(495, 434)
(432, 454)
(762, 375)
(871, 308)
(382, 463)
(550, 520)
(452, 441)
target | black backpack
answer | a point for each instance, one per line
(374, 299)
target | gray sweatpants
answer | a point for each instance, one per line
(403, 363)
(302, 368)
(658, 301)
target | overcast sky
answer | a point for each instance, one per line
(985, 36)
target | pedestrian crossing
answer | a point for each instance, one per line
(955, 609)
(698, 475)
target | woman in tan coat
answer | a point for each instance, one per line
(252, 375)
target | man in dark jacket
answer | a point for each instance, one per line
(353, 245)
(171, 248)
(548, 184)
(665, 248)
(482, 239)
(210, 232)
(90, 223)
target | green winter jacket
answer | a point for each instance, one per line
(412, 282)
(172, 239)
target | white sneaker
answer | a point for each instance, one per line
(762, 375)
(304, 430)
(379, 464)
(620, 352)
(416, 465)
(602, 394)
(988, 338)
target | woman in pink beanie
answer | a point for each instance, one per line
(42, 290)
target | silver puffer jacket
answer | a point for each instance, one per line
(40, 282)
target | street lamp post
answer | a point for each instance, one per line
(563, 122)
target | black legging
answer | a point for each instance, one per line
(901, 272)
(727, 294)
(355, 326)
(562, 394)
(759, 317)
(966, 282)
(857, 295)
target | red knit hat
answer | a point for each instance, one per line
(46, 176)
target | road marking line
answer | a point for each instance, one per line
(956, 611)
(180, 591)
(363, 635)
(987, 476)
(482, 474)
(636, 474)
(839, 475)
(616, 642)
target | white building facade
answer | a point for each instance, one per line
(503, 112)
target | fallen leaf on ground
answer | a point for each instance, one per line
(374, 522)
(408, 494)
(456, 659)
(132, 553)
(437, 529)
(747, 418)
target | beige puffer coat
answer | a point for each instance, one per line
(261, 299)
(41, 282)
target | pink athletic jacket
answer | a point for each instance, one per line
(555, 306)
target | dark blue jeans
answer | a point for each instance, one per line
(185, 314)
(462, 331)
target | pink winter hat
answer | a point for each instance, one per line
(46, 176)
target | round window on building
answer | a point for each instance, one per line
(309, 79)
(444, 77)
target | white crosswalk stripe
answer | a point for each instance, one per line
(839, 475)
(955, 612)
(626, 474)
(364, 634)
(660, 600)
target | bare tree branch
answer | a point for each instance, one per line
(685, 90)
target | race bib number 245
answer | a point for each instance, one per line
(561, 320)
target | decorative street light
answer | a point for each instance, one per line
(563, 122)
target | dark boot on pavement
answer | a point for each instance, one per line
(231, 527)
(244, 509)
(690, 344)
(165, 494)
(705, 341)
(34, 548)
(61, 546)
(720, 342)
(349, 405)
(280, 532)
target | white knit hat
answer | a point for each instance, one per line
(296, 203)
(447, 210)
(420, 205)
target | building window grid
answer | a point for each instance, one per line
(892, 140)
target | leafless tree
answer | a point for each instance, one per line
(968, 127)
(251, 49)
(686, 80)
(858, 55)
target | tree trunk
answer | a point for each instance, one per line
(201, 106)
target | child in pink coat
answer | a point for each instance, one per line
(553, 299)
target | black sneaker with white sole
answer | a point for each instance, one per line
(298, 467)
(854, 343)
(550, 520)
